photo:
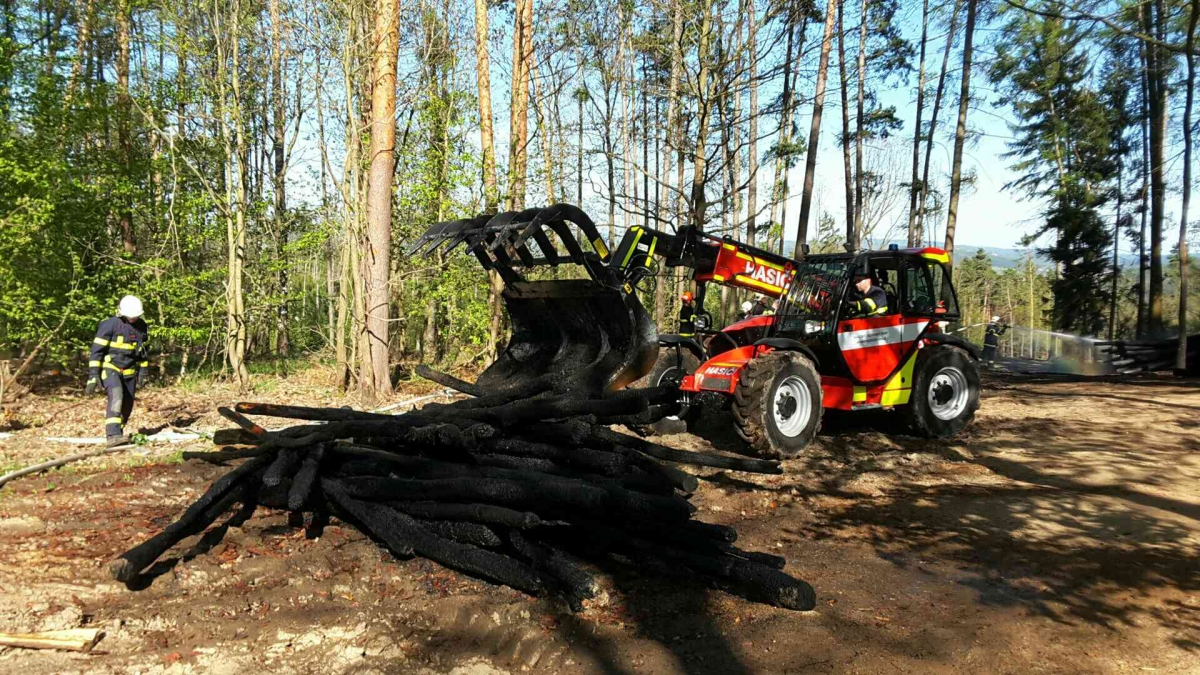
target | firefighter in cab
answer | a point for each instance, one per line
(759, 307)
(867, 298)
(118, 363)
(687, 316)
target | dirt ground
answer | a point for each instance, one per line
(1060, 534)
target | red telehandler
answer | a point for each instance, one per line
(777, 372)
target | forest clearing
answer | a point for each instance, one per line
(701, 336)
(1048, 537)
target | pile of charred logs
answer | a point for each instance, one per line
(1137, 356)
(519, 488)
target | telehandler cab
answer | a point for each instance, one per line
(777, 372)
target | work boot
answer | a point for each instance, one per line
(115, 441)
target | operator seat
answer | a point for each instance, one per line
(889, 289)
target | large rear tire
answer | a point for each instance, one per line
(669, 370)
(945, 392)
(777, 404)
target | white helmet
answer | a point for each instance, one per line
(747, 306)
(130, 307)
(995, 319)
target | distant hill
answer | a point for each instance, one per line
(1003, 258)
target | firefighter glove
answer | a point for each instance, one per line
(141, 378)
(90, 388)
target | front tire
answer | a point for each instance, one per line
(945, 392)
(777, 404)
(669, 370)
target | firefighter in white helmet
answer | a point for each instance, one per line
(118, 362)
(991, 340)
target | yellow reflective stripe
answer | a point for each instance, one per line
(898, 390)
(598, 243)
(759, 261)
(114, 420)
(869, 303)
(653, 243)
(880, 310)
(126, 371)
(144, 364)
(751, 281)
(101, 341)
(93, 364)
(860, 394)
(629, 255)
(718, 277)
(123, 345)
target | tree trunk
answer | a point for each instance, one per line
(960, 134)
(645, 118)
(545, 137)
(858, 127)
(810, 163)
(124, 114)
(1116, 263)
(1181, 353)
(579, 154)
(785, 127)
(344, 299)
(704, 110)
(915, 187)
(235, 190)
(624, 58)
(1158, 184)
(377, 253)
(82, 41)
(1144, 195)
(491, 195)
(933, 120)
(519, 124)
(752, 149)
(844, 85)
(278, 176)
(665, 289)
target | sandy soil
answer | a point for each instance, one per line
(1060, 534)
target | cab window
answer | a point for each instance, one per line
(927, 290)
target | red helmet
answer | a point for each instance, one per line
(687, 296)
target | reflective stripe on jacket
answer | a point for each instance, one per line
(120, 347)
(873, 303)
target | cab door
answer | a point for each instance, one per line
(873, 347)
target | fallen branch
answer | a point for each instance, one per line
(74, 639)
(61, 461)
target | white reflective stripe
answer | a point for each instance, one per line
(884, 335)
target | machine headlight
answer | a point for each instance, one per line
(813, 326)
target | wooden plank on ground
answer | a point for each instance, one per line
(75, 639)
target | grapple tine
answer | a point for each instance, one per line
(468, 230)
(504, 225)
(434, 233)
(547, 246)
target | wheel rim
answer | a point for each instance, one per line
(948, 393)
(791, 406)
(671, 377)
